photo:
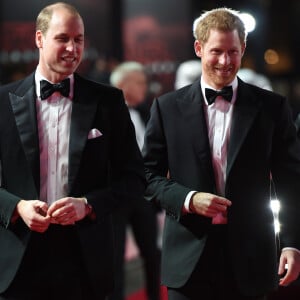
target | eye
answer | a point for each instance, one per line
(79, 40)
(62, 39)
(234, 52)
(216, 51)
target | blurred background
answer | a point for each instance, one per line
(157, 33)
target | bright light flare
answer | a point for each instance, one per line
(249, 21)
(275, 207)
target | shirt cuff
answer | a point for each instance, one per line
(291, 248)
(90, 213)
(186, 205)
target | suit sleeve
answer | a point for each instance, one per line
(169, 194)
(126, 178)
(286, 175)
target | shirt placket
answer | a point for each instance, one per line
(217, 148)
(53, 151)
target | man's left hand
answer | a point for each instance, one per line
(291, 259)
(68, 210)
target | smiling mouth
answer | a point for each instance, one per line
(69, 59)
(224, 71)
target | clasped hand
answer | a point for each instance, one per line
(37, 215)
(208, 205)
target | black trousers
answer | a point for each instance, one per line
(51, 269)
(179, 295)
(142, 219)
(212, 278)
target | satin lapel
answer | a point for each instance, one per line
(245, 110)
(83, 110)
(23, 105)
(191, 107)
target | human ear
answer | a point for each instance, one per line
(198, 48)
(39, 39)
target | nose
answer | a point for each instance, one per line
(71, 46)
(225, 59)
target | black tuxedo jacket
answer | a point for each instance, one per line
(106, 170)
(262, 140)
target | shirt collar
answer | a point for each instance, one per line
(39, 77)
(234, 85)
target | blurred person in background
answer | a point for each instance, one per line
(101, 69)
(62, 171)
(187, 73)
(209, 149)
(139, 214)
(252, 77)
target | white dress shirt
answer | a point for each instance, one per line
(218, 118)
(139, 126)
(53, 118)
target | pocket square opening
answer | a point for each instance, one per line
(94, 133)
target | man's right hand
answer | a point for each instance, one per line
(34, 214)
(208, 205)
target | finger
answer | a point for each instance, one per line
(221, 208)
(281, 267)
(53, 208)
(66, 210)
(283, 281)
(211, 213)
(57, 205)
(39, 219)
(67, 221)
(59, 218)
(223, 201)
(65, 217)
(54, 221)
(39, 227)
(288, 278)
(59, 210)
(42, 211)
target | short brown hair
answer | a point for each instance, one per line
(45, 15)
(223, 19)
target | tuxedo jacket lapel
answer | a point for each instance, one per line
(245, 109)
(23, 103)
(191, 108)
(84, 108)
(24, 108)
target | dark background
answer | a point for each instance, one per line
(157, 33)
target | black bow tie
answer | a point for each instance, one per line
(47, 88)
(225, 92)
